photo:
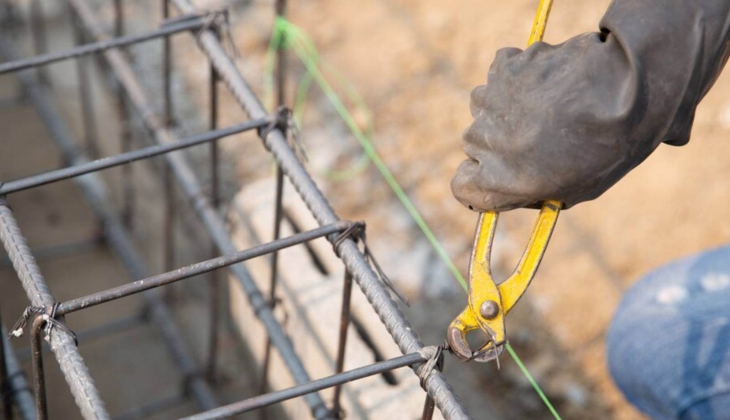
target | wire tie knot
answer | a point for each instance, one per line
(356, 232)
(48, 315)
(435, 355)
(283, 120)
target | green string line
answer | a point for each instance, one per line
(533, 382)
(297, 40)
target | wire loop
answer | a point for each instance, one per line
(356, 232)
(49, 316)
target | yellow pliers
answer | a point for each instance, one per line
(489, 302)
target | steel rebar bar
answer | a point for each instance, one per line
(62, 343)
(88, 114)
(7, 399)
(96, 47)
(201, 204)
(124, 158)
(355, 261)
(75, 371)
(303, 389)
(17, 384)
(40, 39)
(39, 381)
(342, 340)
(214, 281)
(196, 269)
(280, 9)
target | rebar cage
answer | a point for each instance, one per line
(45, 315)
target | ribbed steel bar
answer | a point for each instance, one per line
(40, 40)
(214, 306)
(39, 376)
(280, 8)
(17, 384)
(212, 221)
(5, 394)
(196, 269)
(88, 114)
(167, 184)
(62, 343)
(342, 341)
(75, 372)
(125, 136)
(261, 401)
(95, 47)
(123, 158)
(354, 260)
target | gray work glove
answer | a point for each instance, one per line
(566, 122)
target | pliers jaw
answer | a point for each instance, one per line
(459, 346)
(489, 302)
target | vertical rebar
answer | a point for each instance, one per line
(17, 386)
(169, 224)
(428, 407)
(128, 204)
(40, 39)
(280, 6)
(5, 388)
(87, 106)
(215, 292)
(39, 382)
(61, 342)
(167, 67)
(342, 342)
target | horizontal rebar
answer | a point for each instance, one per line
(123, 158)
(95, 47)
(265, 400)
(196, 269)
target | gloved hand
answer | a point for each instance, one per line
(566, 122)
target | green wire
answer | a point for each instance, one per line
(304, 48)
(533, 382)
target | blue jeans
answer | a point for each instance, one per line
(669, 342)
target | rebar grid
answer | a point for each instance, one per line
(206, 27)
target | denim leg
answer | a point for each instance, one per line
(669, 342)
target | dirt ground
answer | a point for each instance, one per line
(414, 63)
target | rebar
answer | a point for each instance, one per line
(214, 282)
(261, 401)
(354, 260)
(342, 340)
(7, 399)
(132, 97)
(196, 269)
(280, 9)
(17, 385)
(39, 381)
(91, 48)
(62, 344)
(201, 204)
(124, 158)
